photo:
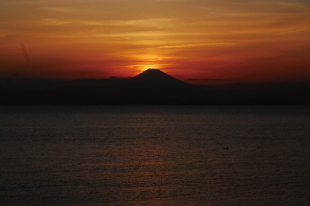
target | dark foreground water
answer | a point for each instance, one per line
(121, 156)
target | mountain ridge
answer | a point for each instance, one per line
(156, 77)
(152, 86)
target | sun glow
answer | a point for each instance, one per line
(254, 40)
(138, 68)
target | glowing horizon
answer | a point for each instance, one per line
(247, 41)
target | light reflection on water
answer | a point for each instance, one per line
(155, 156)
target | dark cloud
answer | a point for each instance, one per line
(25, 53)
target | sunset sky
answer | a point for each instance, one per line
(241, 40)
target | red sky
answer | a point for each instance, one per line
(223, 40)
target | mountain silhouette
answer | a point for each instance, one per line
(152, 86)
(156, 77)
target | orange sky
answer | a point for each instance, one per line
(242, 40)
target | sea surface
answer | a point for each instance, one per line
(155, 155)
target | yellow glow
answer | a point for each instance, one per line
(142, 67)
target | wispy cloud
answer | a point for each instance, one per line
(187, 33)
(195, 45)
(137, 23)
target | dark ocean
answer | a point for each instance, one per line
(155, 155)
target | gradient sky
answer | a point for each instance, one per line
(241, 40)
